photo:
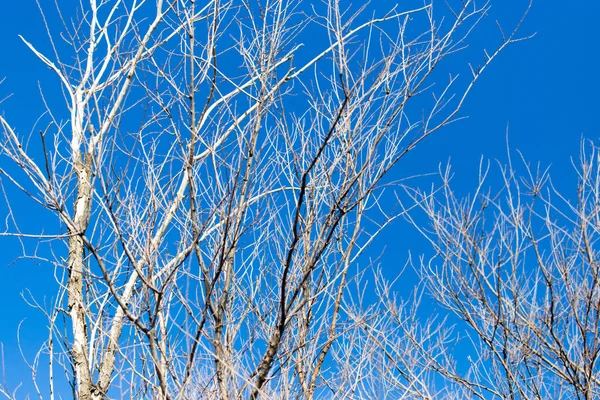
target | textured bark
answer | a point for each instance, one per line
(79, 352)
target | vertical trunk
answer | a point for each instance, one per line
(77, 312)
(222, 355)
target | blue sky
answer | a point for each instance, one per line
(543, 90)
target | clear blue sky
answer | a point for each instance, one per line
(544, 90)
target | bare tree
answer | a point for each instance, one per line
(217, 173)
(520, 272)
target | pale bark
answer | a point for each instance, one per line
(222, 176)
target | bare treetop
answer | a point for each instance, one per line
(217, 175)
